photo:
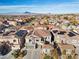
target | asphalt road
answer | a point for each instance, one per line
(36, 54)
(33, 54)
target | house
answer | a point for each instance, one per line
(12, 40)
(40, 27)
(6, 23)
(67, 50)
(35, 23)
(73, 40)
(44, 34)
(68, 47)
(22, 23)
(46, 49)
(50, 26)
(12, 23)
(51, 21)
(31, 40)
(40, 37)
(57, 39)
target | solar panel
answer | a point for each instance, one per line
(21, 33)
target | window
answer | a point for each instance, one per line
(37, 40)
(45, 37)
(42, 39)
(14, 40)
(30, 40)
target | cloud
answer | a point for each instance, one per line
(72, 7)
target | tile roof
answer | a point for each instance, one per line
(27, 27)
(66, 46)
(41, 33)
(47, 46)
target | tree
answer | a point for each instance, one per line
(55, 54)
(4, 48)
(52, 58)
(64, 52)
(46, 57)
(66, 18)
(69, 57)
(19, 54)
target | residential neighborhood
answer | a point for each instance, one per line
(39, 36)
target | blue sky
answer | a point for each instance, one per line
(39, 6)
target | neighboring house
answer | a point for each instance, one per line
(11, 40)
(68, 47)
(67, 50)
(73, 40)
(43, 27)
(2, 29)
(50, 26)
(47, 48)
(12, 23)
(22, 23)
(6, 23)
(57, 39)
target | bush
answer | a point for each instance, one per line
(64, 52)
(46, 57)
(18, 53)
(69, 57)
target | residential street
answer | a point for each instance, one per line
(29, 53)
(33, 54)
(36, 54)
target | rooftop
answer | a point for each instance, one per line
(21, 33)
(41, 33)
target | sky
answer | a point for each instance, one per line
(39, 6)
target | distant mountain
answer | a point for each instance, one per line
(26, 12)
(19, 13)
(30, 13)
